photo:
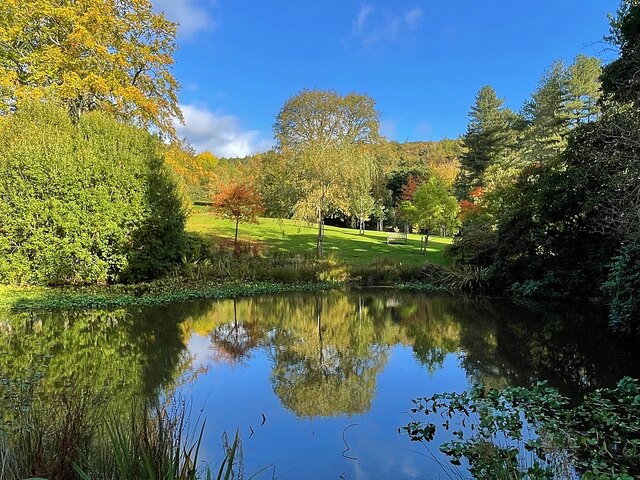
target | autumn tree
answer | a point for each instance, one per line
(237, 202)
(111, 55)
(197, 171)
(321, 132)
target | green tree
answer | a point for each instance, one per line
(548, 116)
(435, 208)
(584, 89)
(326, 117)
(110, 55)
(486, 140)
(322, 131)
(620, 79)
(272, 177)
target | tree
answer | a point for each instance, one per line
(278, 189)
(548, 115)
(486, 140)
(584, 89)
(197, 171)
(112, 55)
(620, 79)
(361, 203)
(435, 208)
(238, 202)
(326, 117)
(323, 132)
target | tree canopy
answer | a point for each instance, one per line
(326, 117)
(109, 55)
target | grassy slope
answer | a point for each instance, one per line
(299, 237)
(344, 243)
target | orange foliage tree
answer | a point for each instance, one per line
(238, 202)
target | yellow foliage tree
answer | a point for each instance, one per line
(114, 55)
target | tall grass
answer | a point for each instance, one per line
(73, 438)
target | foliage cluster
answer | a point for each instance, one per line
(493, 429)
(114, 56)
(558, 214)
(74, 437)
(90, 202)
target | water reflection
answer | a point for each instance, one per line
(321, 355)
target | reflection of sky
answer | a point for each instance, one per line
(236, 396)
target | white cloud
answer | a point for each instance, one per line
(412, 18)
(373, 26)
(358, 24)
(219, 133)
(193, 16)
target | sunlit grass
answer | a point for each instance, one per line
(344, 243)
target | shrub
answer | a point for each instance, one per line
(476, 242)
(84, 203)
(623, 285)
(385, 271)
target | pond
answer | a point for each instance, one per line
(317, 385)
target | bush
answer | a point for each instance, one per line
(385, 271)
(623, 285)
(84, 203)
(475, 244)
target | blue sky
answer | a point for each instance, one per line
(423, 61)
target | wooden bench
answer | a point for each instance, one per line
(396, 238)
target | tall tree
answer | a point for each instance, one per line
(326, 117)
(584, 89)
(323, 132)
(112, 55)
(486, 139)
(548, 115)
(621, 78)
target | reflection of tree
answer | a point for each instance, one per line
(326, 363)
(108, 356)
(327, 350)
(507, 344)
(233, 341)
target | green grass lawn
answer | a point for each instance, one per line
(300, 237)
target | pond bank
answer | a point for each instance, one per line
(153, 293)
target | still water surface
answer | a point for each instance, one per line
(316, 384)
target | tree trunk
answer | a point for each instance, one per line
(235, 241)
(426, 240)
(320, 235)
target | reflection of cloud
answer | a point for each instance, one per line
(193, 16)
(373, 27)
(219, 133)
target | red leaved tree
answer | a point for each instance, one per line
(237, 202)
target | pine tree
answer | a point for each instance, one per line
(621, 78)
(487, 139)
(584, 89)
(548, 116)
